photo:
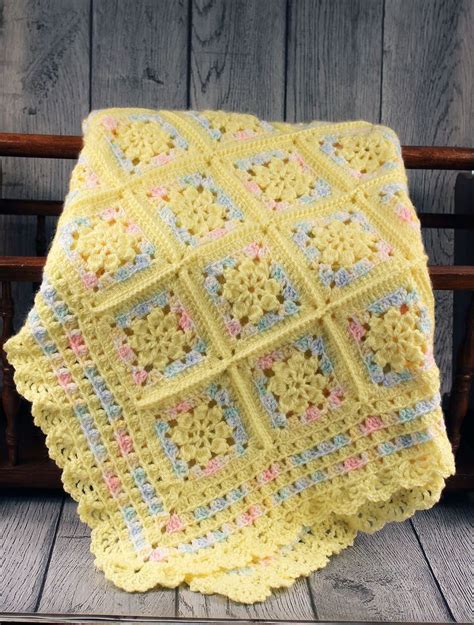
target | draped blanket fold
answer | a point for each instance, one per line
(231, 352)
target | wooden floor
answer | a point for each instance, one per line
(415, 571)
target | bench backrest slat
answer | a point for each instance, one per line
(69, 146)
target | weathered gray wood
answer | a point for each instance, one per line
(27, 530)
(445, 533)
(383, 577)
(139, 55)
(74, 585)
(334, 60)
(427, 97)
(44, 75)
(238, 56)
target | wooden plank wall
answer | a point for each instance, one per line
(404, 63)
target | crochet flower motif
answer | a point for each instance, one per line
(342, 244)
(157, 339)
(141, 141)
(341, 247)
(251, 290)
(363, 155)
(225, 126)
(232, 123)
(297, 383)
(283, 180)
(107, 245)
(201, 434)
(106, 248)
(197, 210)
(396, 339)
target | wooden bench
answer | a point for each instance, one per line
(23, 456)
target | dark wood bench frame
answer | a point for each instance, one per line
(44, 473)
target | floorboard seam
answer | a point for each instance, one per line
(189, 52)
(91, 44)
(285, 71)
(311, 599)
(382, 62)
(50, 554)
(448, 607)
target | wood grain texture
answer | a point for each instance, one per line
(238, 56)
(27, 530)
(445, 533)
(291, 603)
(383, 577)
(427, 98)
(139, 53)
(74, 585)
(334, 60)
(45, 88)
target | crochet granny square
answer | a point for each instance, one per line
(231, 352)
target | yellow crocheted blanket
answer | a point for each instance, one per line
(231, 350)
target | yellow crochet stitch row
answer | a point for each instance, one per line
(231, 350)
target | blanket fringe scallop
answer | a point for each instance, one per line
(268, 555)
